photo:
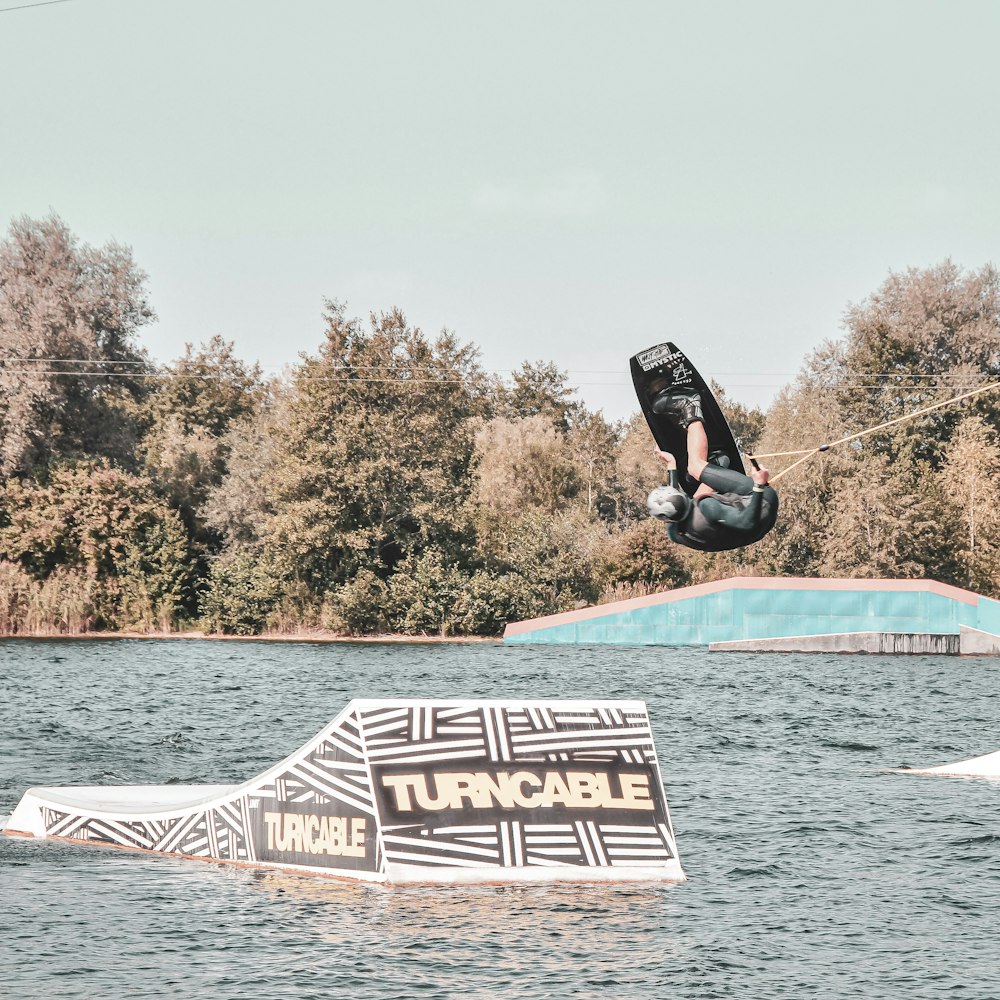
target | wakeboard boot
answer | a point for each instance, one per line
(680, 406)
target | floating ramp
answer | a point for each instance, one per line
(412, 791)
(785, 614)
(987, 766)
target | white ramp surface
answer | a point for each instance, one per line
(412, 790)
(987, 766)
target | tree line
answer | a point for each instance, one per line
(387, 482)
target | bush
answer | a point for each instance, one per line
(425, 594)
(62, 603)
(491, 600)
(358, 606)
(242, 593)
(103, 548)
(643, 555)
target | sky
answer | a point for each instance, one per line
(564, 181)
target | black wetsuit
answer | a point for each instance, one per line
(734, 516)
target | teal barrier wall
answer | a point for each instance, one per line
(747, 613)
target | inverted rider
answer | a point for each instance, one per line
(728, 509)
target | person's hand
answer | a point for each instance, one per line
(665, 456)
(761, 476)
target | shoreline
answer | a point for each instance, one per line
(317, 636)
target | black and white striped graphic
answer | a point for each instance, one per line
(329, 771)
(431, 739)
(396, 787)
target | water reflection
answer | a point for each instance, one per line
(503, 936)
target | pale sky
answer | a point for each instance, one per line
(557, 181)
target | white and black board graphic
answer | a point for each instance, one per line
(409, 790)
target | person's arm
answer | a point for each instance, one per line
(665, 456)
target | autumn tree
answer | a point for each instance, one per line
(923, 337)
(71, 370)
(540, 389)
(970, 487)
(375, 455)
(108, 536)
(197, 399)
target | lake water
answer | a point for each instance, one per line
(811, 872)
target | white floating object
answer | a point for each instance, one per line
(987, 766)
(412, 791)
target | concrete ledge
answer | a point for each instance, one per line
(749, 608)
(975, 642)
(846, 642)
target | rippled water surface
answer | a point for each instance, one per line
(811, 872)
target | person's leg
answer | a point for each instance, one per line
(682, 407)
(697, 442)
(697, 445)
(725, 480)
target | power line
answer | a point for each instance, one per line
(343, 366)
(41, 3)
(425, 380)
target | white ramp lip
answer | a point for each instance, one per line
(986, 766)
(478, 786)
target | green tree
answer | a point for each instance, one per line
(923, 337)
(557, 556)
(540, 389)
(746, 422)
(644, 554)
(428, 595)
(207, 388)
(804, 416)
(241, 505)
(637, 470)
(71, 373)
(241, 594)
(523, 464)
(376, 452)
(127, 548)
(593, 443)
(885, 521)
(186, 448)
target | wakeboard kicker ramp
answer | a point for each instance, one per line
(412, 791)
(987, 766)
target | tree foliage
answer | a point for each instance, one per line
(123, 545)
(375, 455)
(923, 337)
(241, 594)
(186, 446)
(71, 371)
(388, 483)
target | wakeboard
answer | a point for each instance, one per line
(665, 367)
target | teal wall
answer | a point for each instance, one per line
(762, 614)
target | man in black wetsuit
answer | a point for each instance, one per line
(729, 509)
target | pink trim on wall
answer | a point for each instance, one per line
(742, 583)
